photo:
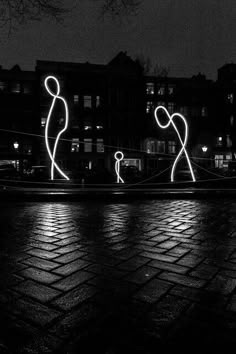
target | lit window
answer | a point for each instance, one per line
(88, 165)
(204, 112)
(171, 147)
(27, 149)
(170, 107)
(151, 146)
(43, 121)
(15, 87)
(149, 106)
(219, 161)
(75, 145)
(230, 97)
(88, 145)
(87, 127)
(161, 103)
(99, 127)
(76, 99)
(170, 90)
(219, 141)
(150, 88)
(160, 146)
(161, 91)
(87, 102)
(100, 145)
(98, 101)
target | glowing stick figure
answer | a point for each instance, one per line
(183, 142)
(55, 97)
(117, 165)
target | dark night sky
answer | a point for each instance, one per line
(189, 36)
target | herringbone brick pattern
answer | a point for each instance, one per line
(117, 277)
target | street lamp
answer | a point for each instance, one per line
(16, 145)
(204, 148)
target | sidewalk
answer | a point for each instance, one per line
(143, 277)
(26, 193)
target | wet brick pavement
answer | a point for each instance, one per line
(111, 278)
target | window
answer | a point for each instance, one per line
(132, 162)
(27, 149)
(170, 107)
(61, 121)
(150, 88)
(230, 97)
(27, 88)
(171, 147)
(231, 120)
(98, 101)
(87, 102)
(99, 127)
(75, 145)
(161, 91)
(3, 86)
(160, 146)
(204, 112)
(151, 146)
(161, 103)
(75, 124)
(149, 106)
(87, 127)
(88, 145)
(219, 161)
(219, 141)
(43, 121)
(183, 110)
(76, 99)
(100, 145)
(170, 90)
(15, 87)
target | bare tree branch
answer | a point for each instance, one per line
(17, 12)
(150, 69)
(120, 7)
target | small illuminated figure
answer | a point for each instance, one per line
(55, 96)
(182, 141)
(119, 157)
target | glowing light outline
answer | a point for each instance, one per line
(55, 96)
(183, 143)
(117, 166)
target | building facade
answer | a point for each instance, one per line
(111, 108)
(18, 92)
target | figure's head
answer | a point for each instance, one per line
(119, 155)
(56, 85)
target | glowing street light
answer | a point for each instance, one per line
(183, 142)
(119, 157)
(16, 145)
(204, 148)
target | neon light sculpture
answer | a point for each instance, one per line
(117, 166)
(183, 142)
(55, 97)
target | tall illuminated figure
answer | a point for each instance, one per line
(55, 96)
(182, 141)
(117, 165)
